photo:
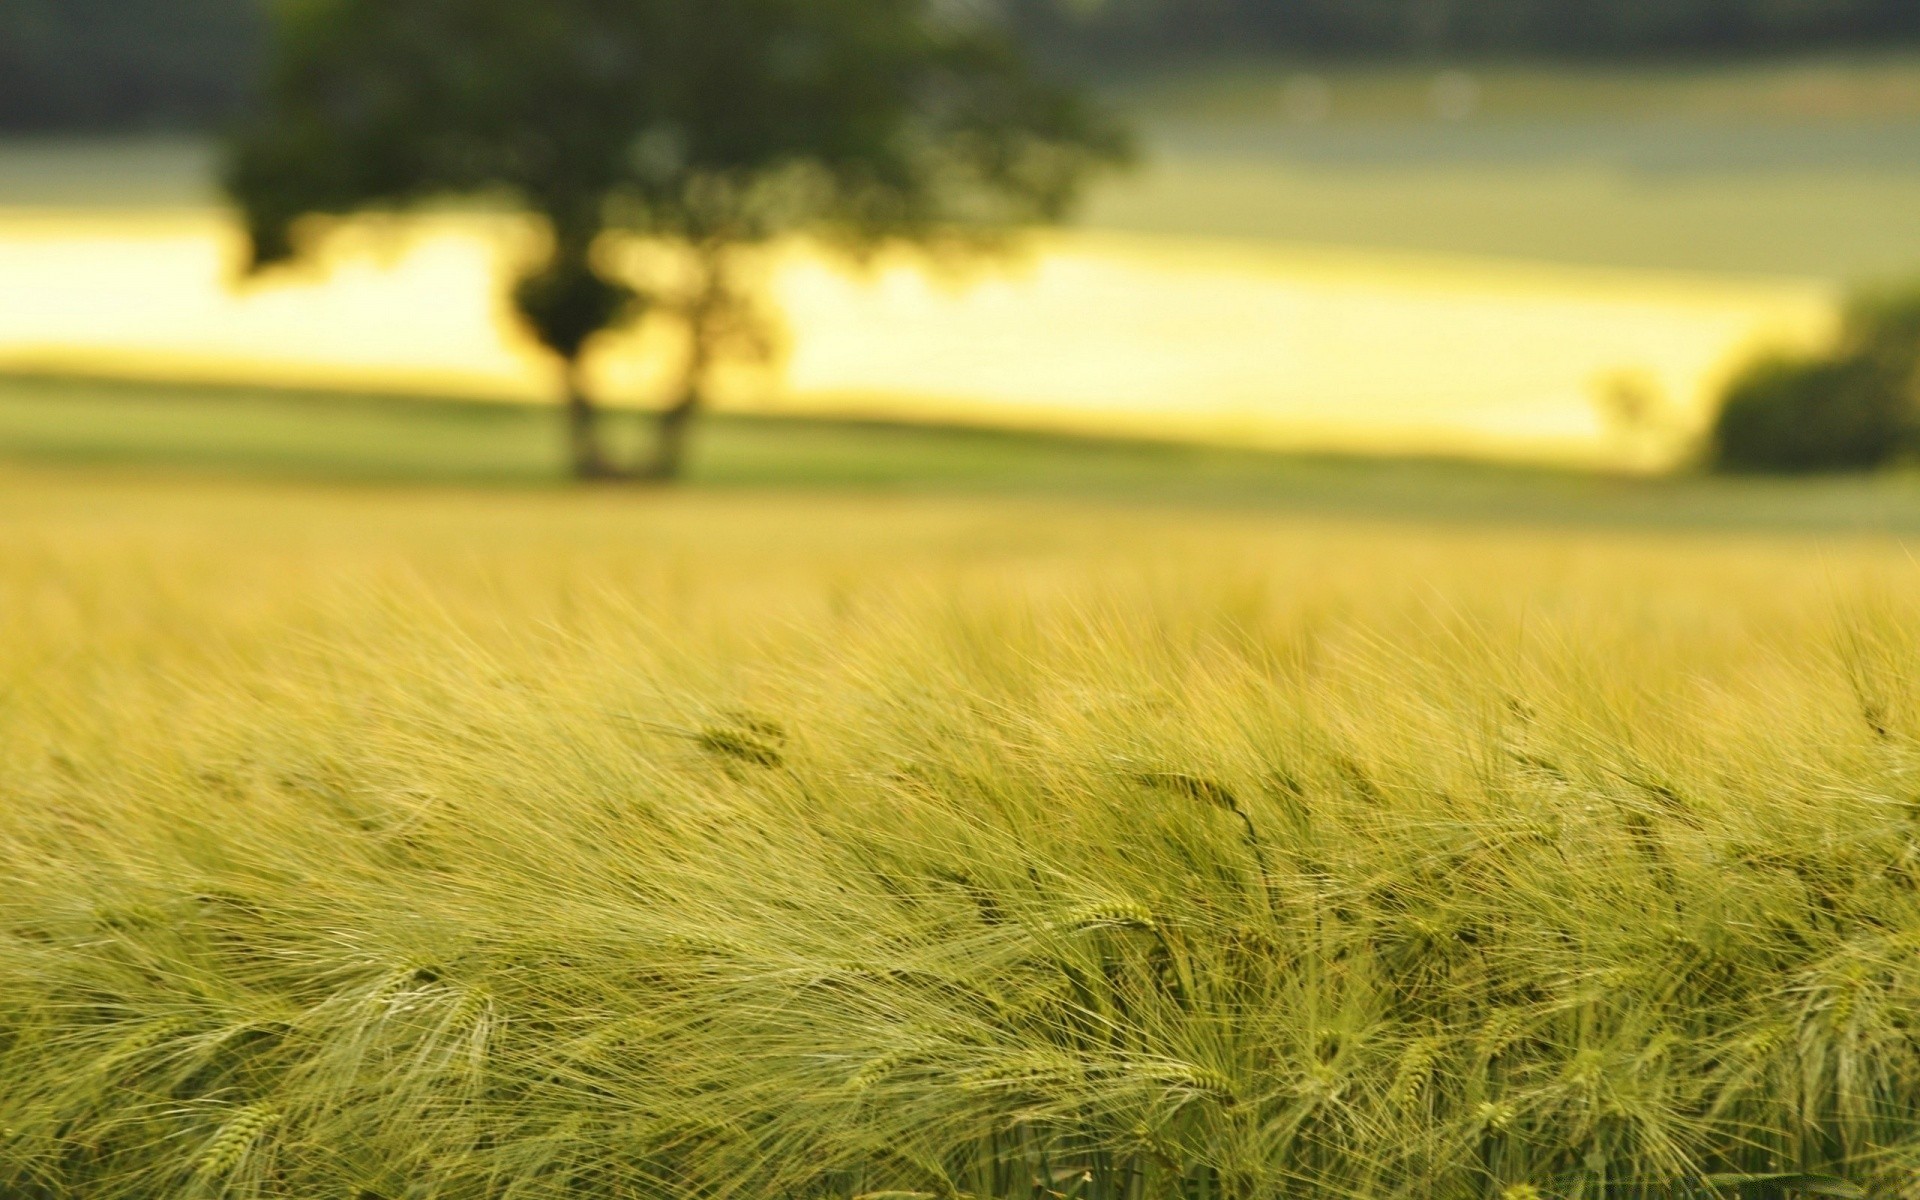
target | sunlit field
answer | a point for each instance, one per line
(397, 841)
(1111, 333)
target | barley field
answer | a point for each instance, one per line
(906, 811)
(389, 841)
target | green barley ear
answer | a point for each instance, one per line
(231, 1144)
(1358, 780)
(1203, 1081)
(1415, 1071)
(878, 1068)
(1024, 1070)
(1494, 1116)
(1120, 914)
(760, 727)
(1218, 795)
(1194, 787)
(145, 1038)
(474, 1003)
(742, 747)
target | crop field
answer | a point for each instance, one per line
(917, 811)
(1796, 168)
(404, 841)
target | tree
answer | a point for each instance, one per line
(702, 127)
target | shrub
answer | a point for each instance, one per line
(1852, 408)
(1808, 414)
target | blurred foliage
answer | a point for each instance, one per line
(1808, 414)
(702, 127)
(1857, 406)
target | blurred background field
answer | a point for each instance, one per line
(1800, 168)
(1386, 259)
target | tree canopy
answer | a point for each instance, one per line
(703, 126)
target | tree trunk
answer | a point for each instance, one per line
(583, 426)
(670, 446)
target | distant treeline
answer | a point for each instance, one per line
(125, 64)
(130, 64)
(1140, 32)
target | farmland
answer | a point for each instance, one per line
(910, 807)
(1372, 278)
(398, 840)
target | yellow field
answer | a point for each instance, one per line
(1251, 342)
(139, 603)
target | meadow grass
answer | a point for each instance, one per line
(428, 842)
